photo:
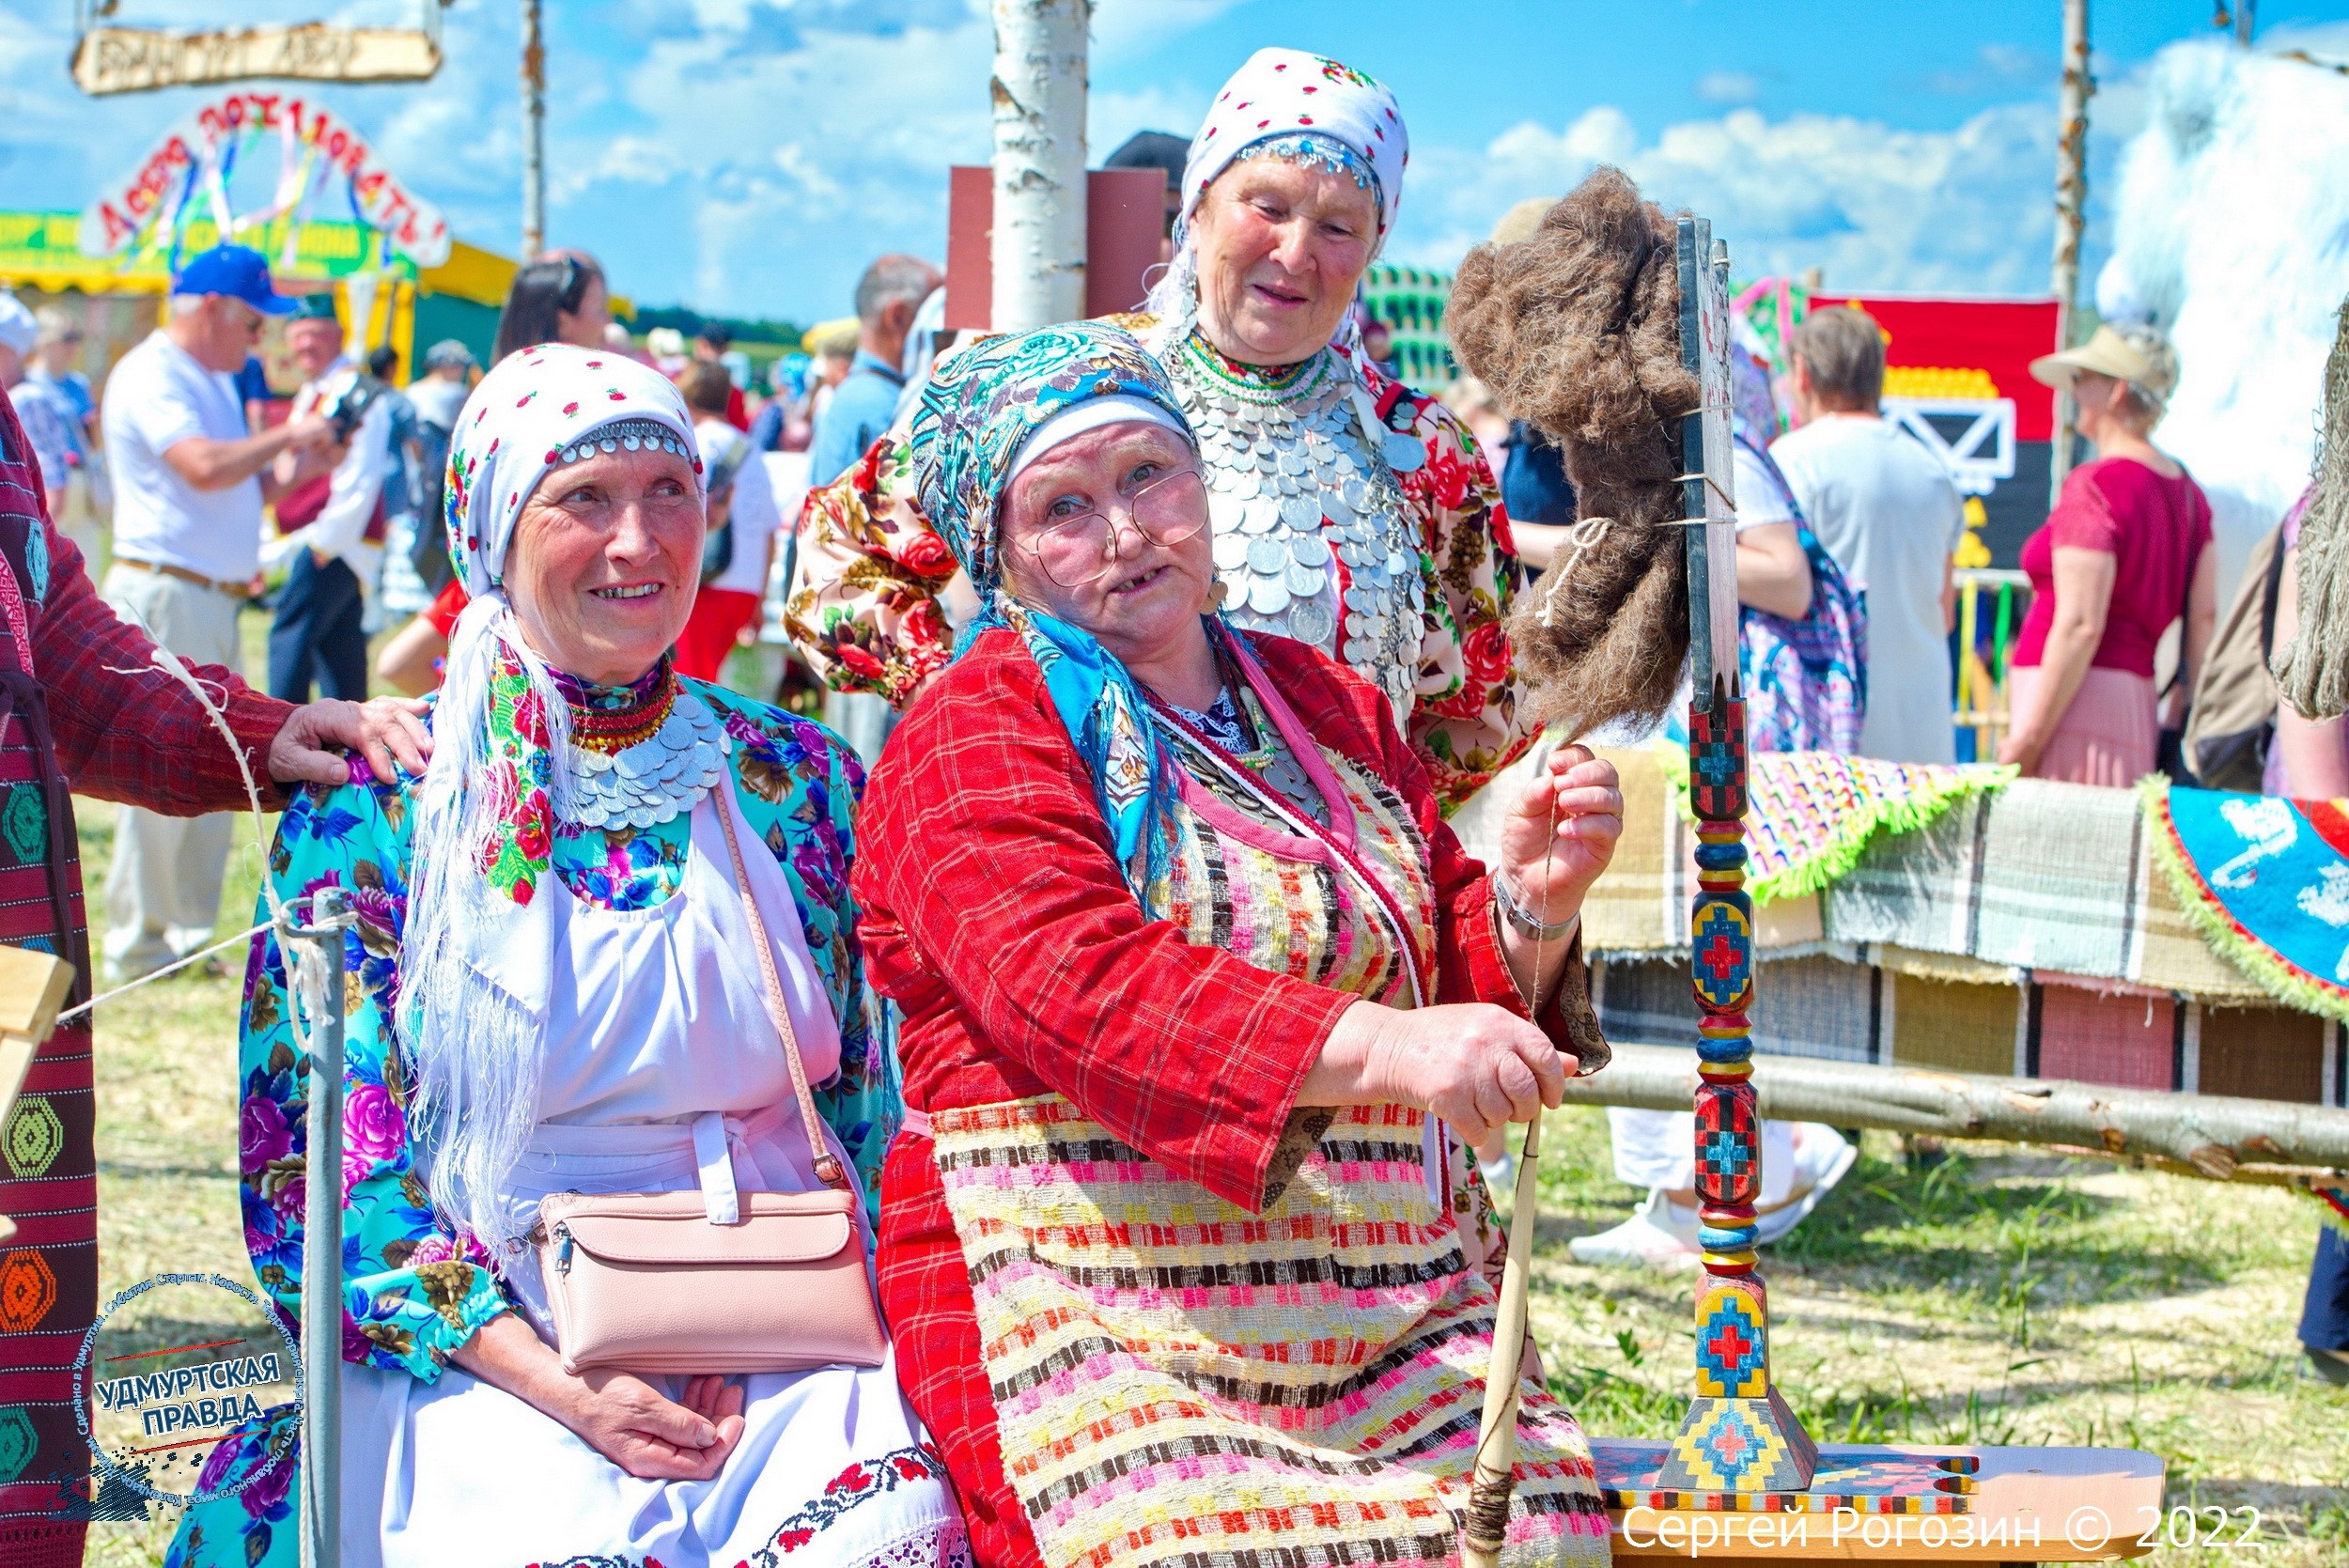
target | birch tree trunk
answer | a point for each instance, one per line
(2071, 217)
(1039, 90)
(534, 134)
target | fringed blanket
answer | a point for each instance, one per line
(2266, 881)
(1813, 813)
(1957, 873)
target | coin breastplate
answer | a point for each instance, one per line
(1312, 539)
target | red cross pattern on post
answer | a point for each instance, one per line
(1738, 1436)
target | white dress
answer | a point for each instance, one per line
(657, 1040)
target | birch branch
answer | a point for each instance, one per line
(2213, 1135)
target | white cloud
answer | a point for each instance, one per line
(1111, 118)
(747, 156)
(1997, 68)
(1878, 208)
(752, 155)
(1124, 30)
(1728, 86)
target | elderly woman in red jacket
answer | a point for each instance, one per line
(1179, 1254)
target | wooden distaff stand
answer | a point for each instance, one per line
(1742, 1481)
(33, 987)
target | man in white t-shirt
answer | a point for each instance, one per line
(742, 500)
(1885, 509)
(188, 482)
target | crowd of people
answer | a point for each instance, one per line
(1170, 644)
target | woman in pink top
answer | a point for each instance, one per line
(2127, 552)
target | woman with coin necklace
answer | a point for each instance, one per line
(1348, 511)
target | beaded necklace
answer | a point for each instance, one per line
(641, 753)
(609, 719)
(1248, 737)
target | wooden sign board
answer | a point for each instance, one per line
(1709, 459)
(113, 60)
(1125, 217)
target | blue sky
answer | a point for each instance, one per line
(748, 157)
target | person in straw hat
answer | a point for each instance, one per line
(2127, 552)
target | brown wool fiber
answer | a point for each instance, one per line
(1576, 331)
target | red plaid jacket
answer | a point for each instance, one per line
(993, 913)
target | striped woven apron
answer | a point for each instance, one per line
(1181, 1382)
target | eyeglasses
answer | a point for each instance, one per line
(1078, 549)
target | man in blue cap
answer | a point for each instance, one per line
(189, 483)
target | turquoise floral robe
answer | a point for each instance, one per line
(413, 1291)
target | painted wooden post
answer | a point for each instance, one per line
(1738, 1436)
(1039, 91)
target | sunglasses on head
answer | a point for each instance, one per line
(574, 288)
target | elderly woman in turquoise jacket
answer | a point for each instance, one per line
(557, 991)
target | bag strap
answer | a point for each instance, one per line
(827, 1169)
(2273, 583)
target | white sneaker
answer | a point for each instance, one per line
(1822, 1157)
(1661, 1234)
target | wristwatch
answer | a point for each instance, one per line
(1522, 920)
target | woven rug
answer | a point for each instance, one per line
(1914, 891)
(1812, 814)
(2059, 887)
(2266, 881)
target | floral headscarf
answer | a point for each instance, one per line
(979, 408)
(531, 411)
(476, 959)
(1304, 109)
(1287, 95)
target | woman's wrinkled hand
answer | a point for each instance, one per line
(620, 1416)
(386, 731)
(1550, 874)
(1476, 1066)
(650, 1436)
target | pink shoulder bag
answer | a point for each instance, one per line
(645, 1282)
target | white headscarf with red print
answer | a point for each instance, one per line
(1283, 91)
(1304, 108)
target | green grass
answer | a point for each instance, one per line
(1996, 1296)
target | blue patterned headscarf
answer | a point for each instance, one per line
(977, 411)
